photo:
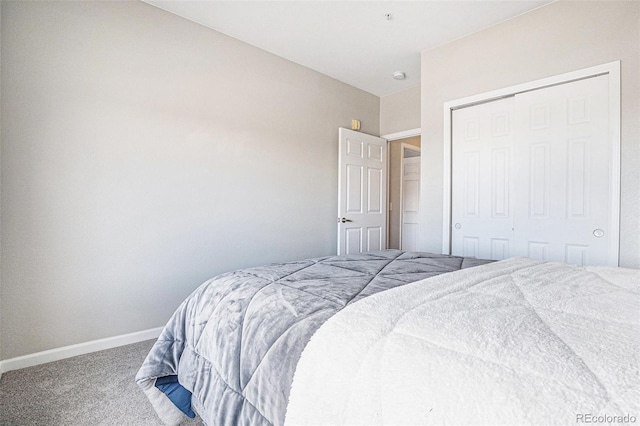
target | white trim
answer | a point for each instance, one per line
(402, 135)
(611, 68)
(388, 191)
(615, 138)
(446, 182)
(404, 145)
(78, 349)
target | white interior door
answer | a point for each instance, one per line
(531, 175)
(410, 198)
(362, 192)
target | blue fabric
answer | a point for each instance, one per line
(180, 397)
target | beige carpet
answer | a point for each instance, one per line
(92, 389)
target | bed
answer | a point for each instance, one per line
(235, 341)
(432, 339)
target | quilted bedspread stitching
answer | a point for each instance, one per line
(280, 274)
(585, 365)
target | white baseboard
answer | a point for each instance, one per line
(78, 349)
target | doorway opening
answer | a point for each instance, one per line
(404, 193)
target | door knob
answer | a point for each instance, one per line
(344, 219)
(598, 233)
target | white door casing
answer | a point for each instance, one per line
(410, 202)
(536, 175)
(362, 192)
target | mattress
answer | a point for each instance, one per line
(233, 345)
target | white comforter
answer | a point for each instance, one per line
(513, 342)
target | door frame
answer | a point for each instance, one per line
(404, 146)
(610, 68)
(394, 137)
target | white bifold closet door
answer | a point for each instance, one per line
(531, 175)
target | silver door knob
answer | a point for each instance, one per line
(344, 219)
(457, 226)
(598, 233)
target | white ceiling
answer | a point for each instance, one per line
(351, 41)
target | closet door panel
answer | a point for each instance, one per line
(563, 156)
(482, 219)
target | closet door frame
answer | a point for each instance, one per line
(612, 69)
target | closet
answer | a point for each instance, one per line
(531, 175)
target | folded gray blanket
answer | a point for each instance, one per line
(235, 342)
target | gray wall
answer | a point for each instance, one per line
(142, 154)
(561, 37)
(400, 111)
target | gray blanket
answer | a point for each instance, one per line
(235, 342)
